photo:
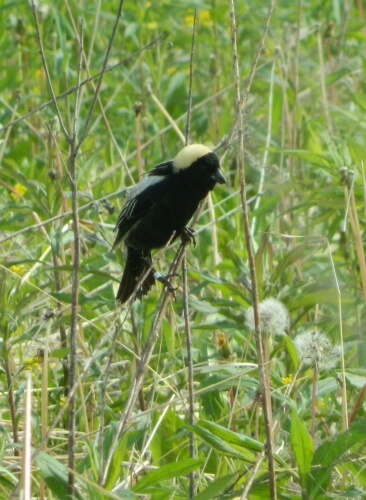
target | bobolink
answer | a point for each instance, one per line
(157, 210)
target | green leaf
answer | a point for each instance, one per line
(54, 473)
(232, 437)
(302, 447)
(217, 487)
(221, 445)
(291, 349)
(331, 453)
(115, 470)
(169, 471)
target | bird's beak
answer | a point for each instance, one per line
(218, 177)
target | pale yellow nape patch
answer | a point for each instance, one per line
(190, 154)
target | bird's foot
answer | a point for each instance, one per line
(187, 236)
(165, 281)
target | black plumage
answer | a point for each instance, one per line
(158, 209)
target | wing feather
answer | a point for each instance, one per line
(140, 199)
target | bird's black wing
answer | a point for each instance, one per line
(163, 169)
(141, 199)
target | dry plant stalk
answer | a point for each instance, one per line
(142, 365)
(75, 144)
(26, 487)
(263, 370)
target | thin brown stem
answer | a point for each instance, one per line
(75, 283)
(188, 336)
(313, 401)
(189, 108)
(263, 371)
(11, 402)
(48, 76)
(102, 73)
(143, 363)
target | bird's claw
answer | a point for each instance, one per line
(187, 236)
(165, 281)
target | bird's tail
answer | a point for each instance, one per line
(138, 275)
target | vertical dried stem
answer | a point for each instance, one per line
(99, 84)
(26, 493)
(345, 420)
(11, 401)
(263, 379)
(48, 76)
(189, 110)
(142, 364)
(268, 143)
(187, 329)
(189, 370)
(323, 85)
(75, 283)
(313, 400)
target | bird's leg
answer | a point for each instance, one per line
(187, 236)
(165, 281)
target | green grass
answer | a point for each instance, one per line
(304, 139)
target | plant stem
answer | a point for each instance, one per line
(189, 371)
(263, 370)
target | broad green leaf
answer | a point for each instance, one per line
(54, 473)
(169, 471)
(217, 487)
(333, 452)
(115, 466)
(220, 445)
(302, 447)
(231, 436)
(291, 349)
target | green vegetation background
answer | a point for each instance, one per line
(305, 146)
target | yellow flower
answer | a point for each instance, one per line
(287, 380)
(203, 19)
(18, 269)
(62, 400)
(188, 20)
(33, 363)
(19, 192)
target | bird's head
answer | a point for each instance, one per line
(200, 158)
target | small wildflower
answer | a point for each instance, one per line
(33, 363)
(273, 317)
(62, 400)
(314, 347)
(203, 18)
(18, 269)
(287, 380)
(18, 192)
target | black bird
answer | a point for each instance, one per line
(157, 210)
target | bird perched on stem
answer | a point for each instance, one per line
(157, 210)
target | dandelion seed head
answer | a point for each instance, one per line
(273, 317)
(315, 347)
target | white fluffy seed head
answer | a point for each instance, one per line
(273, 317)
(189, 154)
(314, 347)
